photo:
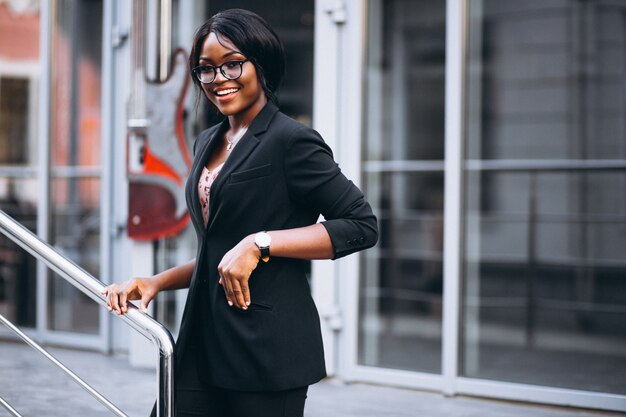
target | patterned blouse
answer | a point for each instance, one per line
(208, 177)
(204, 189)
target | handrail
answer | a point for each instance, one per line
(108, 404)
(92, 287)
(11, 410)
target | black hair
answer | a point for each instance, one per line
(254, 38)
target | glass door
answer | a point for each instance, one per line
(544, 300)
(50, 162)
(75, 159)
(400, 294)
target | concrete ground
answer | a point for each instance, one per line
(34, 387)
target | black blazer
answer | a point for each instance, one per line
(280, 175)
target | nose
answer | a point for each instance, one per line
(219, 77)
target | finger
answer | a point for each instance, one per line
(229, 290)
(238, 295)
(245, 291)
(123, 298)
(105, 292)
(114, 301)
(143, 306)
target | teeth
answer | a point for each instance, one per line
(224, 92)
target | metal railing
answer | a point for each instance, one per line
(92, 287)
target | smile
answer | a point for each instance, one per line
(222, 93)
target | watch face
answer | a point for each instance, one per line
(262, 239)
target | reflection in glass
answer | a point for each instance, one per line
(545, 221)
(401, 291)
(14, 123)
(19, 72)
(18, 276)
(75, 158)
(76, 231)
(400, 298)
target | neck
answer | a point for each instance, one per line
(243, 119)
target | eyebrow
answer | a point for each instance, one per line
(204, 58)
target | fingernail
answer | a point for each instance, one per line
(247, 303)
(230, 303)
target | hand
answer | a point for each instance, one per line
(235, 269)
(133, 289)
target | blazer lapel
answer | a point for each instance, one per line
(199, 162)
(240, 152)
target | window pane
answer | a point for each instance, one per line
(401, 278)
(544, 289)
(401, 290)
(18, 277)
(76, 84)
(75, 145)
(76, 231)
(14, 106)
(19, 73)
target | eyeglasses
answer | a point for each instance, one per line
(231, 70)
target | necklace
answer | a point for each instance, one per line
(232, 142)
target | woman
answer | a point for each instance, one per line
(250, 341)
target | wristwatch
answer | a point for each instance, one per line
(263, 241)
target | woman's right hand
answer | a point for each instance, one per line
(117, 295)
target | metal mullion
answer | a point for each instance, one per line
(540, 394)
(403, 166)
(47, 19)
(106, 164)
(350, 124)
(545, 166)
(399, 378)
(21, 172)
(76, 172)
(456, 19)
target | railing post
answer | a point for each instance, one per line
(92, 287)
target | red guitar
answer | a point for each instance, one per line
(158, 158)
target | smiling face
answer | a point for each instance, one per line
(241, 99)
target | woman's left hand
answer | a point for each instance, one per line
(235, 269)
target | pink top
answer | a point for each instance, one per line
(204, 189)
(208, 177)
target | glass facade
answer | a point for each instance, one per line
(74, 216)
(400, 294)
(544, 299)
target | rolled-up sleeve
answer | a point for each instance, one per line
(314, 179)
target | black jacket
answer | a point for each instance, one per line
(280, 175)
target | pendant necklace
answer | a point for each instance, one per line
(235, 139)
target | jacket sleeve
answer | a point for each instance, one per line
(314, 179)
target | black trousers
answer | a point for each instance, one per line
(195, 397)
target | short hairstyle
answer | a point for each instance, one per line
(255, 39)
